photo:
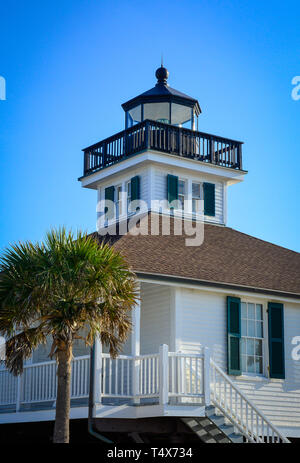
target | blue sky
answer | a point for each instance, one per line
(69, 65)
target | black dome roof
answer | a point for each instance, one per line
(162, 92)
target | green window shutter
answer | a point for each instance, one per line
(172, 188)
(234, 335)
(209, 199)
(135, 188)
(109, 196)
(276, 340)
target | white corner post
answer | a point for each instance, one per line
(206, 371)
(163, 374)
(135, 349)
(97, 372)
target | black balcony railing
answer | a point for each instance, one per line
(151, 135)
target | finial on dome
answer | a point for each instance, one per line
(162, 75)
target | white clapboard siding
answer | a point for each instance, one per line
(155, 317)
(203, 321)
(120, 179)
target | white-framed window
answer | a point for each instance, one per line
(118, 200)
(181, 193)
(252, 339)
(196, 196)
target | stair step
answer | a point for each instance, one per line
(218, 420)
(236, 438)
(210, 410)
(227, 429)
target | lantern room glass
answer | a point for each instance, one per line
(167, 112)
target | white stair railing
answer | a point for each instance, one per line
(240, 411)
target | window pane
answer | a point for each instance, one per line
(244, 310)
(251, 311)
(181, 201)
(251, 328)
(180, 114)
(250, 364)
(244, 363)
(250, 346)
(244, 327)
(196, 190)
(243, 346)
(252, 338)
(157, 112)
(259, 312)
(181, 187)
(258, 365)
(258, 348)
(136, 113)
(259, 329)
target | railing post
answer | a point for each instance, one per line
(147, 135)
(98, 372)
(180, 141)
(135, 351)
(206, 374)
(163, 374)
(239, 156)
(86, 163)
(212, 151)
(104, 154)
(19, 392)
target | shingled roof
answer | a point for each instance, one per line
(227, 257)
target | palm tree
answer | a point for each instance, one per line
(59, 289)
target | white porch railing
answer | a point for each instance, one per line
(38, 383)
(162, 376)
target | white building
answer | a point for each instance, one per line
(210, 356)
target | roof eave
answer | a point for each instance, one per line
(215, 284)
(162, 98)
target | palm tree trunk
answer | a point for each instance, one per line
(62, 416)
